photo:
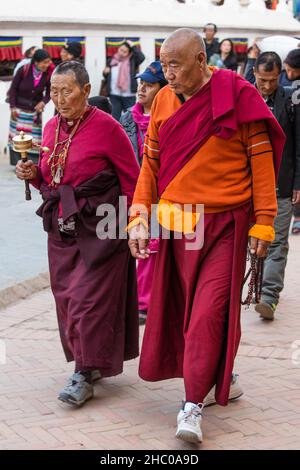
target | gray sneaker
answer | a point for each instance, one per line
(96, 375)
(266, 310)
(77, 391)
(235, 392)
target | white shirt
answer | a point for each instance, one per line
(114, 90)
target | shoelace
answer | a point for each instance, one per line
(192, 415)
(72, 383)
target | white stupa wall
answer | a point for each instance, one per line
(147, 19)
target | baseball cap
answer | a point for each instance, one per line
(153, 73)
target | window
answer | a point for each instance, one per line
(10, 55)
(158, 44)
(53, 46)
(112, 44)
(240, 48)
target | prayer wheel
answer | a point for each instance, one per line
(21, 144)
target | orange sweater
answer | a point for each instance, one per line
(222, 175)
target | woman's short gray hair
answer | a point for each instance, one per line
(76, 68)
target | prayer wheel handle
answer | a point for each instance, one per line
(21, 144)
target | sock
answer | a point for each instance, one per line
(87, 375)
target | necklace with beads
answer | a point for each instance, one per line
(57, 159)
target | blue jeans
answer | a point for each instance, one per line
(275, 263)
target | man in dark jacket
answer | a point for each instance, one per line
(280, 101)
(288, 74)
(211, 43)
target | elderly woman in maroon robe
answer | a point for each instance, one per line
(87, 165)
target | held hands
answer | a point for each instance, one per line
(14, 113)
(39, 108)
(26, 171)
(296, 197)
(138, 242)
(259, 247)
(254, 52)
(130, 42)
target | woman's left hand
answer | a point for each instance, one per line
(39, 108)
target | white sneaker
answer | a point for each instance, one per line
(189, 423)
(235, 392)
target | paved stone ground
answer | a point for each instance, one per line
(128, 413)
(22, 239)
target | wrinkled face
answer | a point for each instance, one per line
(69, 99)
(226, 47)
(209, 33)
(267, 82)
(43, 65)
(293, 74)
(124, 51)
(183, 69)
(65, 55)
(146, 92)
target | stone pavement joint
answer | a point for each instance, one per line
(24, 289)
(128, 413)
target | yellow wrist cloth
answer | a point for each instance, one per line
(262, 232)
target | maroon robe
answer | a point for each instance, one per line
(193, 324)
(93, 281)
(218, 108)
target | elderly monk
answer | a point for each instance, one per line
(89, 163)
(211, 141)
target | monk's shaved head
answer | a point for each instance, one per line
(184, 39)
(183, 59)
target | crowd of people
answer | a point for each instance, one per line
(270, 4)
(186, 130)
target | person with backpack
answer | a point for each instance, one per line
(27, 58)
(28, 95)
(279, 100)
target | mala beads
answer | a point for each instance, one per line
(256, 277)
(57, 159)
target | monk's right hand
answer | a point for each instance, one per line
(26, 170)
(138, 242)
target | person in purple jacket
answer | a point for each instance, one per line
(28, 95)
